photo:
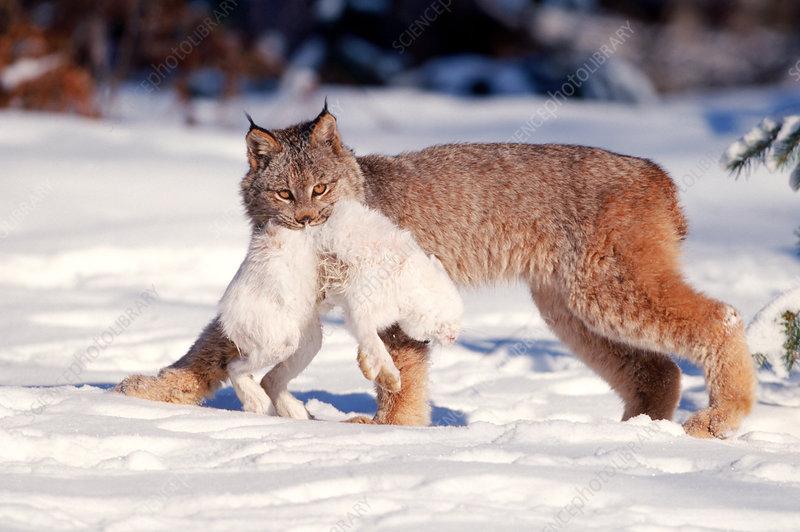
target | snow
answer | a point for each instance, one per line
(27, 69)
(773, 142)
(790, 129)
(619, 80)
(754, 140)
(470, 74)
(119, 236)
(766, 335)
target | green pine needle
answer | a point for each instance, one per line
(791, 328)
(762, 361)
(797, 234)
(784, 150)
(751, 148)
(794, 178)
(790, 321)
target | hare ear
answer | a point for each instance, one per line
(261, 144)
(324, 131)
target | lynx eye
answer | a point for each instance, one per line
(285, 194)
(319, 190)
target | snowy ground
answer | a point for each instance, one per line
(119, 236)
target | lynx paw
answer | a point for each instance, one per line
(389, 379)
(363, 420)
(711, 423)
(170, 386)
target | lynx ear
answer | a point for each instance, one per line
(260, 144)
(324, 132)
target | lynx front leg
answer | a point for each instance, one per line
(275, 382)
(192, 378)
(410, 405)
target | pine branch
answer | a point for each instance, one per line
(784, 150)
(751, 148)
(762, 361)
(791, 328)
(794, 178)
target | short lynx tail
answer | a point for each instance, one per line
(670, 191)
(192, 378)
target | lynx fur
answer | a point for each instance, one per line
(359, 260)
(595, 235)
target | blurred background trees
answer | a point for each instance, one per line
(73, 55)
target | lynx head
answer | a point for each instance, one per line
(297, 174)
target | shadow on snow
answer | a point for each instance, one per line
(361, 403)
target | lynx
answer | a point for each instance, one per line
(595, 235)
(357, 259)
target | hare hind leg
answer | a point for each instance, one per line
(253, 397)
(275, 382)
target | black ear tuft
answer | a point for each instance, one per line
(253, 125)
(261, 144)
(322, 113)
(250, 119)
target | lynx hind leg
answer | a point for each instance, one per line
(275, 383)
(253, 397)
(730, 377)
(660, 312)
(648, 382)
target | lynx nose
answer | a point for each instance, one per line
(304, 219)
